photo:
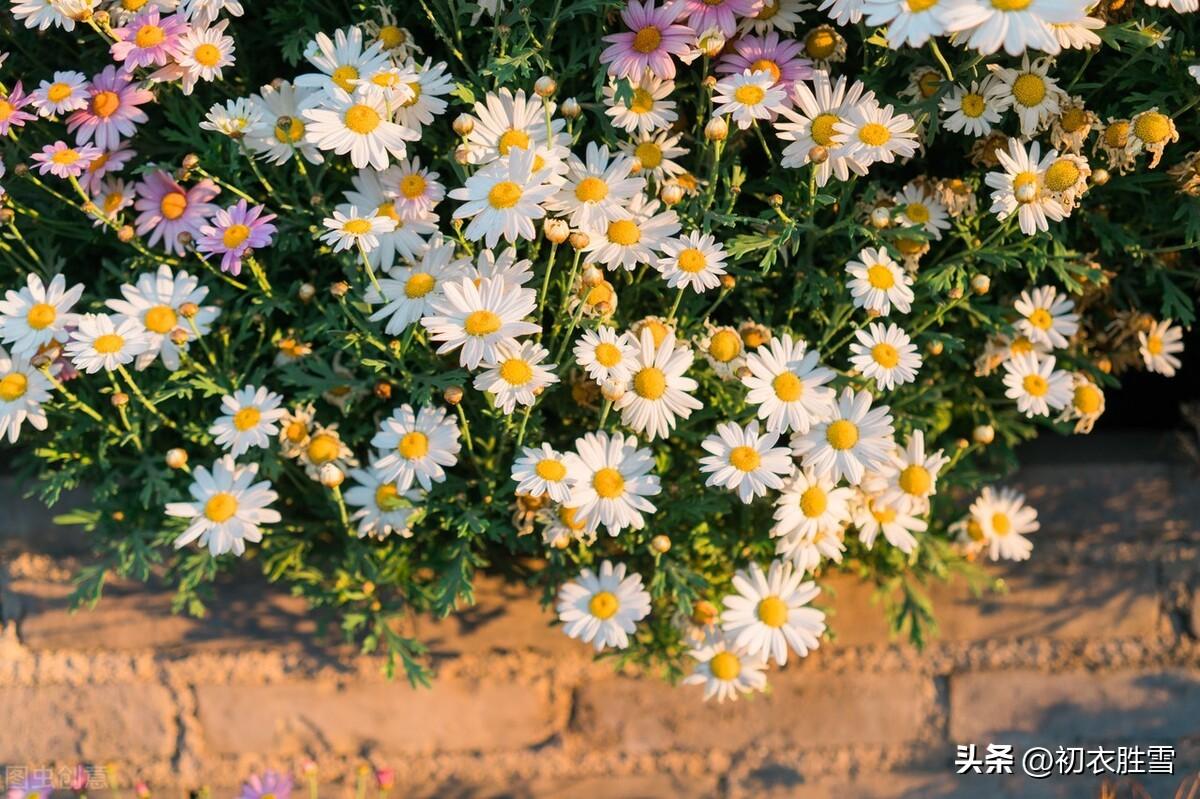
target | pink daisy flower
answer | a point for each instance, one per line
(168, 209)
(652, 38)
(704, 15)
(768, 53)
(112, 111)
(234, 232)
(64, 161)
(107, 163)
(11, 115)
(113, 197)
(147, 39)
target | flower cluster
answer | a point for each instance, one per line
(736, 315)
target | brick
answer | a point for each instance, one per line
(94, 722)
(1023, 706)
(646, 715)
(293, 718)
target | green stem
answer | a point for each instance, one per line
(142, 398)
(362, 251)
(675, 306)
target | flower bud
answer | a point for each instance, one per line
(453, 395)
(464, 124)
(728, 282)
(176, 458)
(981, 284)
(671, 194)
(660, 544)
(556, 230)
(1104, 365)
(331, 476)
(935, 347)
(125, 234)
(604, 307)
(188, 310)
(306, 292)
(612, 390)
(179, 337)
(984, 434)
(712, 42)
(191, 160)
(383, 390)
(717, 129)
(704, 613)
(571, 108)
(1099, 176)
(880, 218)
(962, 443)
(579, 240)
(818, 154)
(184, 238)
(21, 169)
(545, 86)
(956, 293)
(119, 399)
(775, 200)
(340, 288)
(7, 215)
(592, 275)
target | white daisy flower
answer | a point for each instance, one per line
(349, 228)
(724, 350)
(382, 508)
(1005, 520)
(873, 516)
(973, 109)
(869, 133)
(856, 438)
(1035, 384)
(1159, 345)
(695, 260)
(603, 608)
(810, 503)
(540, 472)
(806, 552)
(1032, 94)
(811, 125)
(787, 383)
(1067, 179)
(748, 97)
(227, 507)
(561, 526)
(23, 389)
(205, 12)
(517, 375)
(769, 614)
(877, 283)
(611, 479)
(357, 124)
(606, 355)
(503, 199)
(100, 341)
(41, 14)
(505, 121)
(1080, 34)
(918, 207)
(780, 15)
(234, 118)
(909, 478)
(67, 92)
(341, 60)
(726, 672)
(741, 460)
(658, 390)
(415, 447)
(248, 419)
(415, 190)
(1015, 26)
(479, 318)
(505, 268)
(407, 238)
(407, 293)
(155, 301)
(843, 12)
(647, 110)
(201, 54)
(430, 85)
(38, 314)
(596, 190)
(1020, 188)
(908, 23)
(280, 132)
(634, 237)
(885, 354)
(656, 153)
(1047, 317)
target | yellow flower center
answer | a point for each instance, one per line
(1041, 319)
(108, 343)
(505, 194)
(724, 346)
(414, 445)
(1154, 345)
(768, 66)
(883, 515)
(744, 459)
(415, 86)
(725, 666)
(387, 498)
(1087, 399)
(643, 101)
(292, 135)
(820, 43)
(768, 11)
(624, 232)
(13, 386)
(220, 507)
(357, 227)
(591, 190)
(362, 119)
(344, 77)
(1020, 346)
(918, 213)
(650, 383)
(234, 236)
(973, 105)
(1035, 385)
(1116, 135)
(658, 331)
(391, 37)
(607, 355)
(133, 5)
(418, 285)
(513, 138)
(6, 109)
(842, 434)
(112, 201)
(296, 431)
(246, 419)
(1011, 5)
(880, 277)
(516, 372)
(207, 55)
(58, 92)
(482, 323)
(874, 134)
(1152, 127)
(821, 129)
(650, 154)
(772, 611)
(1029, 90)
(160, 319)
(787, 387)
(1062, 175)
(388, 208)
(412, 186)
(608, 483)
(567, 517)
(173, 204)
(647, 40)
(885, 355)
(917, 6)
(105, 104)
(1020, 181)
(550, 469)
(1073, 119)
(323, 448)
(1001, 524)
(149, 36)
(692, 260)
(41, 316)
(749, 94)
(916, 480)
(975, 530)
(813, 501)
(603, 605)
(601, 292)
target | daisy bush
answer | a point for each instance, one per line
(670, 310)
